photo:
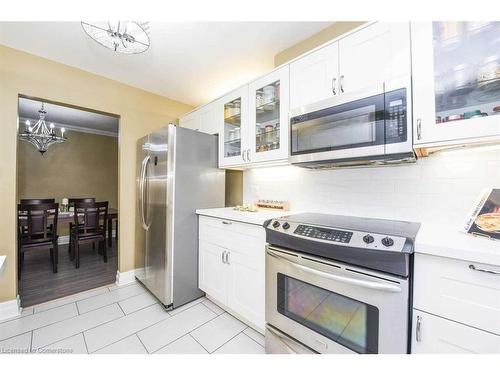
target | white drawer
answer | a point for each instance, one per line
(247, 239)
(451, 289)
(442, 336)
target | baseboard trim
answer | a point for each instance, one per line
(128, 277)
(64, 240)
(10, 309)
(223, 306)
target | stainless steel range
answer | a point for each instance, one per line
(338, 284)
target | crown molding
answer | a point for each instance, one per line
(79, 129)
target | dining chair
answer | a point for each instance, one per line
(40, 221)
(89, 226)
(36, 201)
(71, 203)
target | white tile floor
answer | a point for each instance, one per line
(126, 320)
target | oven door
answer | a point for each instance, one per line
(335, 308)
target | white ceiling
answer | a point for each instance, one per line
(71, 118)
(193, 62)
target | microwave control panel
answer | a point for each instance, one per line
(396, 116)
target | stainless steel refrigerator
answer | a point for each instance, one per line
(177, 174)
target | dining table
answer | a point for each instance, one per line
(66, 217)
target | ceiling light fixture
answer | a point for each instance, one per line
(41, 136)
(130, 37)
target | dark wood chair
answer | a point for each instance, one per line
(40, 221)
(89, 226)
(71, 203)
(37, 201)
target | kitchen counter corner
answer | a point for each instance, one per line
(228, 213)
(451, 243)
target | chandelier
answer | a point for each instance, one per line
(129, 37)
(41, 136)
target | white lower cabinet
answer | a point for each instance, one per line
(212, 271)
(461, 291)
(456, 306)
(232, 267)
(246, 293)
(435, 335)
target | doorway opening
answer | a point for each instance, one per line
(67, 236)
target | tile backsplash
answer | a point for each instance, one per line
(440, 188)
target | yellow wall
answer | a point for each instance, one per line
(329, 33)
(85, 166)
(140, 113)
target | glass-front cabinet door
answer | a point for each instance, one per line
(233, 125)
(456, 82)
(268, 117)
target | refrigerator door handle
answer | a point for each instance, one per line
(142, 181)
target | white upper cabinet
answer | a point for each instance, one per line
(253, 122)
(373, 55)
(314, 77)
(208, 118)
(203, 119)
(232, 118)
(190, 121)
(268, 124)
(456, 82)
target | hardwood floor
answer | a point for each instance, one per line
(39, 284)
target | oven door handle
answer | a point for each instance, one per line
(342, 279)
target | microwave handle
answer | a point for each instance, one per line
(342, 279)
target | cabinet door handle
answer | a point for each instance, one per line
(248, 155)
(223, 255)
(342, 83)
(474, 268)
(226, 222)
(419, 129)
(243, 155)
(227, 257)
(334, 84)
(418, 330)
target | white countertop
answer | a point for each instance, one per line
(2, 262)
(432, 239)
(451, 243)
(257, 218)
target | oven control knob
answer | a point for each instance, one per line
(387, 241)
(368, 238)
(276, 224)
(285, 225)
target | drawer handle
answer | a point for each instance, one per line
(418, 333)
(226, 222)
(474, 268)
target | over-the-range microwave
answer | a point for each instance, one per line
(373, 127)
